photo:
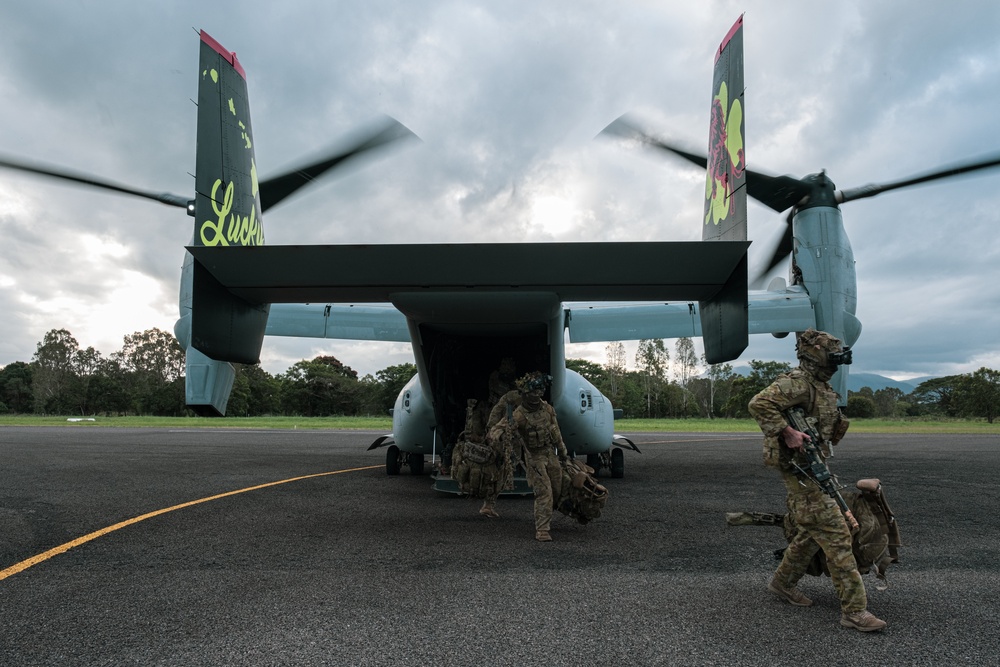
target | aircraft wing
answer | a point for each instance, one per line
(232, 280)
(775, 312)
(342, 321)
(620, 271)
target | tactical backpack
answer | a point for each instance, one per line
(581, 497)
(875, 544)
(484, 469)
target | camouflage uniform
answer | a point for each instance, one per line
(502, 380)
(500, 436)
(536, 423)
(820, 525)
(499, 411)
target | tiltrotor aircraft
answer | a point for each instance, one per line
(467, 307)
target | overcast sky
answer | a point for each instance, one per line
(507, 98)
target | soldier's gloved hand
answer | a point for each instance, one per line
(563, 457)
(794, 439)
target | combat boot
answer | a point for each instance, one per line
(543, 536)
(487, 510)
(863, 620)
(791, 595)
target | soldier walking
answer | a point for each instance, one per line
(819, 522)
(544, 449)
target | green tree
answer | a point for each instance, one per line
(152, 361)
(652, 360)
(15, 387)
(593, 373)
(155, 353)
(86, 364)
(937, 395)
(861, 406)
(762, 374)
(888, 402)
(686, 367)
(388, 383)
(615, 368)
(53, 373)
(978, 394)
(262, 391)
(321, 387)
(713, 390)
(107, 389)
(631, 395)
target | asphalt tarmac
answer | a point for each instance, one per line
(358, 568)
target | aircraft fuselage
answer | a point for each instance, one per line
(459, 340)
(823, 262)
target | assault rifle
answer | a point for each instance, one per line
(816, 468)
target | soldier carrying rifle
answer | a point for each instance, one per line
(820, 522)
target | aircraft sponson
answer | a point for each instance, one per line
(615, 271)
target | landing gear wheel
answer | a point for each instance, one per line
(617, 463)
(416, 463)
(392, 460)
(594, 461)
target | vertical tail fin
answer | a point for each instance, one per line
(725, 191)
(215, 327)
(227, 210)
(227, 206)
(724, 317)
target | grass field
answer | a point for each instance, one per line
(385, 424)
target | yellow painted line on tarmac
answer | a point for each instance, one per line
(63, 548)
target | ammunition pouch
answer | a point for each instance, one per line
(776, 454)
(840, 429)
(476, 452)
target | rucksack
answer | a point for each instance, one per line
(875, 544)
(581, 496)
(484, 469)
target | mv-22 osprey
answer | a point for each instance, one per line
(467, 307)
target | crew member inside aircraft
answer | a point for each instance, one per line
(544, 449)
(818, 520)
(502, 380)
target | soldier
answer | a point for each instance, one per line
(819, 523)
(501, 436)
(536, 423)
(502, 380)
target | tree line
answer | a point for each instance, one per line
(146, 377)
(685, 386)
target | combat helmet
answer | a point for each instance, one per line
(820, 353)
(535, 381)
(532, 386)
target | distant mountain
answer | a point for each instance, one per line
(856, 381)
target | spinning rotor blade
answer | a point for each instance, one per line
(278, 188)
(76, 177)
(781, 250)
(781, 193)
(626, 129)
(776, 192)
(873, 189)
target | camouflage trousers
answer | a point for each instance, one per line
(545, 478)
(820, 525)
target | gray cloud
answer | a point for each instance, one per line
(507, 99)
